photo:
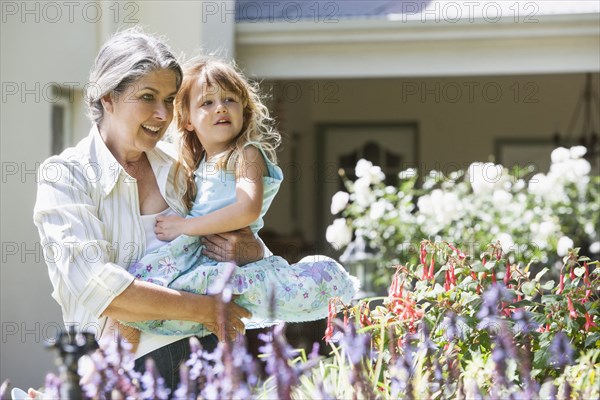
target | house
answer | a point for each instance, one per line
(426, 84)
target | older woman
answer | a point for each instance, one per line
(96, 204)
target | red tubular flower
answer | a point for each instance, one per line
(572, 275)
(493, 275)
(572, 311)
(543, 329)
(589, 322)
(330, 317)
(396, 287)
(507, 274)
(431, 272)
(561, 284)
(423, 255)
(586, 276)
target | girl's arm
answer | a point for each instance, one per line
(247, 208)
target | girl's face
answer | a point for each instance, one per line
(216, 115)
(137, 118)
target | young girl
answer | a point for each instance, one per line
(227, 150)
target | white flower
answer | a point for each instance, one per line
(362, 190)
(365, 169)
(563, 246)
(378, 209)
(485, 176)
(362, 168)
(542, 232)
(339, 201)
(519, 185)
(560, 154)
(577, 151)
(506, 241)
(376, 174)
(407, 173)
(595, 248)
(339, 233)
(501, 198)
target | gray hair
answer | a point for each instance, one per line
(124, 58)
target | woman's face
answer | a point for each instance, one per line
(137, 118)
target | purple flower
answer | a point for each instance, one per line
(316, 271)
(561, 350)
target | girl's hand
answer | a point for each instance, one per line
(169, 227)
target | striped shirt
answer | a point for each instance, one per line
(88, 215)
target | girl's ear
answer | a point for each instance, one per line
(107, 102)
(189, 127)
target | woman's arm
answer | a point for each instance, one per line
(247, 208)
(143, 301)
(86, 281)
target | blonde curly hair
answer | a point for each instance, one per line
(257, 126)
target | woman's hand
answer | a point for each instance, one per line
(240, 247)
(169, 227)
(233, 314)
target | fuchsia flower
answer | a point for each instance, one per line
(589, 322)
(572, 311)
(507, 275)
(561, 284)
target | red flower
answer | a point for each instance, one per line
(431, 271)
(561, 284)
(586, 276)
(589, 322)
(330, 317)
(507, 274)
(572, 311)
(396, 287)
(423, 255)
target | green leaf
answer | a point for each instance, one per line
(489, 265)
(579, 271)
(548, 285)
(541, 273)
(529, 288)
(592, 340)
(477, 266)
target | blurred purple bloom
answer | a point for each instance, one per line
(523, 322)
(561, 351)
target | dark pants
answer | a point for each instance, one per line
(169, 358)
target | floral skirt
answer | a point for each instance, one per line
(301, 291)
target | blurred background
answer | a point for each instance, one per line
(432, 85)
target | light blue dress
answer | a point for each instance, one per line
(302, 290)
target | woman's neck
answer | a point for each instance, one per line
(125, 157)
